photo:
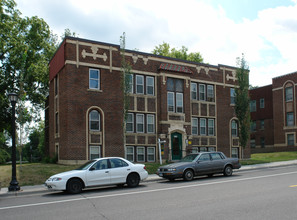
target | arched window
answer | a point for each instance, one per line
(234, 128)
(94, 120)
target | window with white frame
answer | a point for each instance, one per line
(202, 126)
(211, 127)
(130, 153)
(195, 150)
(94, 152)
(140, 151)
(262, 103)
(150, 120)
(290, 139)
(94, 120)
(232, 96)
(234, 128)
(290, 119)
(202, 92)
(179, 103)
(235, 152)
(262, 124)
(289, 94)
(94, 79)
(195, 126)
(253, 105)
(210, 93)
(253, 126)
(194, 91)
(170, 101)
(139, 123)
(150, 85)
(175, 88)
(139, 84)
(253, 143)
(130, 122)
(151, 154)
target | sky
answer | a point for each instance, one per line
(265, 31)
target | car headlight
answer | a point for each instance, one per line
(172, 169)
(56, 179)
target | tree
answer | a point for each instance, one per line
(164, 50)
(242, 101)
(26, 47)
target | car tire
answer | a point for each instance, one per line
(188, 175)
(133, 180)
(74, 186)
(228, 171)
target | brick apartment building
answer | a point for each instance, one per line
(273, 115)
(189, 106)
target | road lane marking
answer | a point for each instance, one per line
(145, 191)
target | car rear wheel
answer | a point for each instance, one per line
(188, 175)
(228, 171)
(74, 186)
(133, 180)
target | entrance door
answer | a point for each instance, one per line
(176, 146)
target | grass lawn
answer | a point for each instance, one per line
(37, 173)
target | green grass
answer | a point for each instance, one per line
(37, 173)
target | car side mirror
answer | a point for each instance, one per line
(92, 168)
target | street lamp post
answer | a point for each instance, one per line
(14, 185)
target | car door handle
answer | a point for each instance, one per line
(128, 169)
(106, 171)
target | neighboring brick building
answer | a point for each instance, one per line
(273, 115)
(188, 105)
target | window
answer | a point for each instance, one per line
(94, 79)
(262, 103)
(130, 153)
(290, 139)
(253, 126)
(289, 94)
(151, 154)
(170, 101)
(290, 119)
(211, 127)
(234, 128)
(202, 126)
(175, 88)
(210, 93)
(115, 163)
(131, 85)
(253, 143)
(94, 120)
(232, 95)
(57, 122)
(130, 122)
(204, 157)
(195, 126)
(139, 123)
(215, 156)
(253, 105)
(262, 124)
(140, 154)
(94, 152)
(262, 142)
(194, 91)
(179, 103)
(195, 150)
(235, 153)
(202, 92)
(150, 85)
(150, 120)
(101, 165)
(139, 84)
(56, 85)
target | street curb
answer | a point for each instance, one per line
(152, 178)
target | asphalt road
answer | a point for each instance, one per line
(269, 193)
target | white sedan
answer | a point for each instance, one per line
(98, 172)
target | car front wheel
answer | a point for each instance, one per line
(188, 175)
(74, 186)
(133, 180)
(228, 171)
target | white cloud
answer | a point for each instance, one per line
(268, 42)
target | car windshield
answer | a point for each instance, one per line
(189, 158)
(86, 165)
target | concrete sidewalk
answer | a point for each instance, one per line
(152, 177)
